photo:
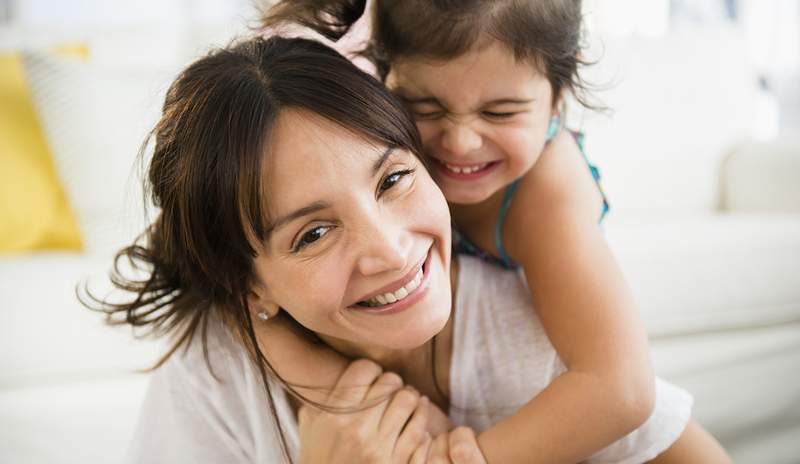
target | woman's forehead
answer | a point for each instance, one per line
(311, 156)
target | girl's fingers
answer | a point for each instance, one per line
(463, 447)
(420, 455)
(402, 405)
(377, 400)
(353, 384)
(406, 439)
(439, 450)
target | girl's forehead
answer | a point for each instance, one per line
(491, 73)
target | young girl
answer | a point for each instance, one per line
(486, 81)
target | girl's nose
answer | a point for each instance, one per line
(460, 139)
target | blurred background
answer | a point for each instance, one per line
(700, 155)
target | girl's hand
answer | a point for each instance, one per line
(381, 421)
(458, 446)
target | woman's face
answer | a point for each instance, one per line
(359, 247)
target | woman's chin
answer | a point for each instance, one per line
(420, 329)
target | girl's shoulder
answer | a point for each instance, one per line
(561, 187)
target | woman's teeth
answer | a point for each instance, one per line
(465, 169)
(397, 295)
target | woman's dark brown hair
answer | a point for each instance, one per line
(205, 177)
(546, 33)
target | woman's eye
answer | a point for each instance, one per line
(497, 115)
(392, 179)
(310, 237)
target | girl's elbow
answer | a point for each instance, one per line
(639, 402)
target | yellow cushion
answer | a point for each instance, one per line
(34, 211)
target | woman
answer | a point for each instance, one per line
(292, 194)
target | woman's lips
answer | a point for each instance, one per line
(414, 296)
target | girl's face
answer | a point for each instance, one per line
(483, 117)
(359, 247)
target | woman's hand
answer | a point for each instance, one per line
(458, 446)
(381, 421)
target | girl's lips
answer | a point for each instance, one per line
(408, 301)
(490, 166)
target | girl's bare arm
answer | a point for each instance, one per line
(588, 313)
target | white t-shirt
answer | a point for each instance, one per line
(501, 359)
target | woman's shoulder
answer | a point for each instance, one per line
(212, 346)
(206, 403)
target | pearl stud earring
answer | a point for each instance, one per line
(263, 315)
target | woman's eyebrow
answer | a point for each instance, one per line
(377, 166)
(320, 205)
(296, 214)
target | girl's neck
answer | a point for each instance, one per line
(473, 213)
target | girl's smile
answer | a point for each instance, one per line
(483, 117)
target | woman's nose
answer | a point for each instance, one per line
(385, 247)
(459, 138)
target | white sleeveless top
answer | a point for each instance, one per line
(501, 359)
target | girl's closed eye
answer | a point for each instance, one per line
(499, 115)
(427, 114)
(425, 109)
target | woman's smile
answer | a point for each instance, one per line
(408, 291)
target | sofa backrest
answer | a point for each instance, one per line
(679, 103)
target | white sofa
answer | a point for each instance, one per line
(705, 223)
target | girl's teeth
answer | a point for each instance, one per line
(465, 169)
(397, 295)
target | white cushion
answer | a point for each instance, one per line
(72, 423)
(679, 103)
(48, 336)
(711, 272)
(763, 177)
(96, 117)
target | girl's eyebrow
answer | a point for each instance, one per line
(515, 101)
(497, 101)
(429, 100)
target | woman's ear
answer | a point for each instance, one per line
(260, 306)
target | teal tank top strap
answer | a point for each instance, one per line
(498, 226)
(579, 139)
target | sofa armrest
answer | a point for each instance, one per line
(762, 177)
